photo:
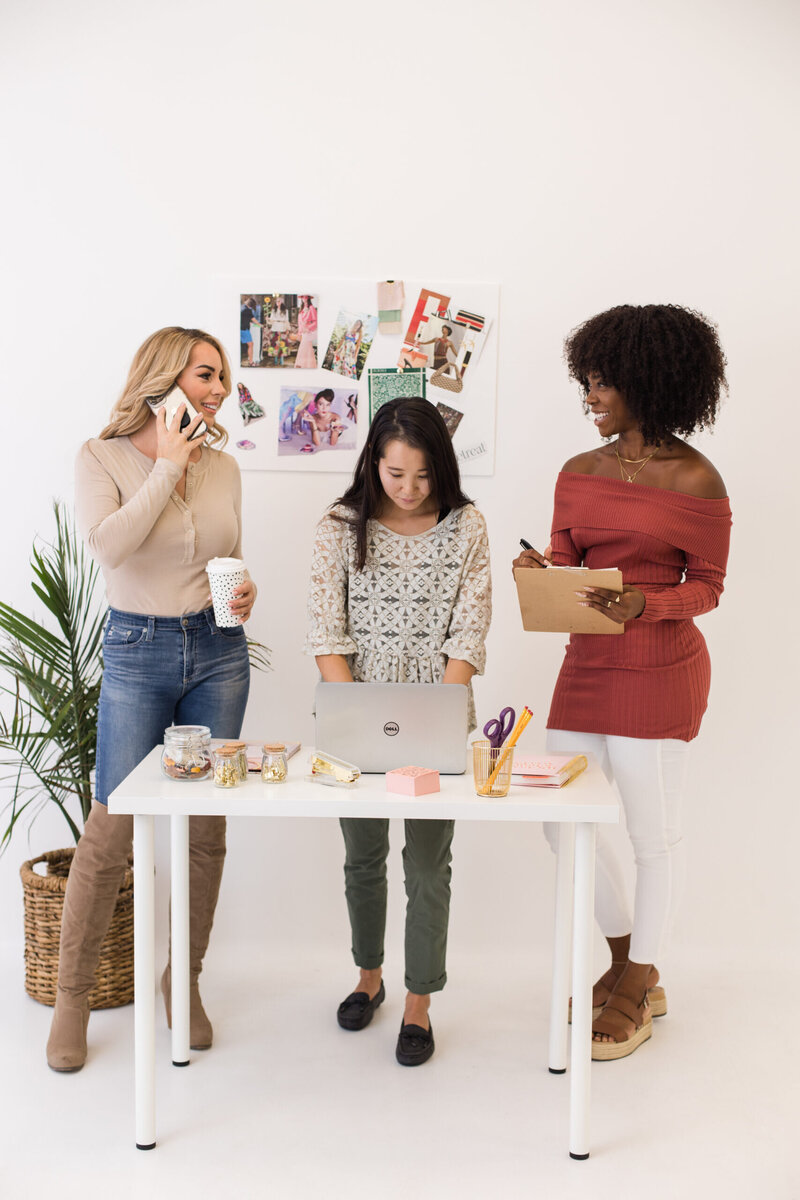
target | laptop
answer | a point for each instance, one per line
(380, 726)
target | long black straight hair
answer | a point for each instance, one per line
(418, 424)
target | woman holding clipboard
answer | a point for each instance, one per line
(648, 503)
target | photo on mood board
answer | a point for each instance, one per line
(278, 329)
(450, 416)
(350, 344)
(442, 343)
(387, 383)
(313, 421)
(249, 409)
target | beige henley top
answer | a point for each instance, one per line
(152, 546)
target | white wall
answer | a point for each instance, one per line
(589, 155)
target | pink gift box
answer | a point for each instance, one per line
(412, 781)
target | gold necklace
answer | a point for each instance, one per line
(626, 477)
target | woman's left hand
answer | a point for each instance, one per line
(618, 608)
(244, 597)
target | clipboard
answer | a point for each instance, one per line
(548, 603)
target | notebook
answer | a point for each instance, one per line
(381, 726)
(551, 770)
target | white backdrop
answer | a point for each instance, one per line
(582, 155)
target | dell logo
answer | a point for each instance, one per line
(391, 728)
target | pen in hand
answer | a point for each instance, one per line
(527, 546)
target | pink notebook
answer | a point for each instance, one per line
(548, 770)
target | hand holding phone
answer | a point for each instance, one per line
(172, 402)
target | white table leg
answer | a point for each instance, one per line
(179, 907)
(144, 907)
(562, 941)
(581, 1057)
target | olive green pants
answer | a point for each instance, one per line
(426, 864)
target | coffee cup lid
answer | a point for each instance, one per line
(224, 565)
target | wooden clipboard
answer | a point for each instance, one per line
(548, 603)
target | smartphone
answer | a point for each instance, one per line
(172, 402)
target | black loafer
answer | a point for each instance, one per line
(414, 1045)
(357, 1010)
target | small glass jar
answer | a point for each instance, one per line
(226, 768)
(187, 752)
(241, 758)
(273, 763)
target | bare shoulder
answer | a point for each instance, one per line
(587, 463)
(696, 475)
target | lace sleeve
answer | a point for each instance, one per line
(327, 590)
(472, 611)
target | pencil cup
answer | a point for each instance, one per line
(484, 761)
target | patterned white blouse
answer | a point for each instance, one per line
(418, 601)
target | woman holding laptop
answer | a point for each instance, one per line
(648, 503)
(404, 528)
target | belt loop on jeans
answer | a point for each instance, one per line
(151, 629)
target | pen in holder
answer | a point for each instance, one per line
(504, 757)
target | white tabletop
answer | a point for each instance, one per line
(147, 791)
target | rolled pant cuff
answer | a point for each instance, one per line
(424, 989)
(368, 962)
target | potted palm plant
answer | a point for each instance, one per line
(51, 687)
(50, 679)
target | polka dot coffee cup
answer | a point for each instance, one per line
(224, 574)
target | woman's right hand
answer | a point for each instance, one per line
(532, 558)
(173, 442)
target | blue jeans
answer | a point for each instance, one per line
(160, 671)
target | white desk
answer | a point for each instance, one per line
(580, 806)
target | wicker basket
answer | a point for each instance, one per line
(44, 904)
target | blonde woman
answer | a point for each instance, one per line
(154, 503)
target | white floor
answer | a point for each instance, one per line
(288, 1106)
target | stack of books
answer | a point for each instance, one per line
(550, 770)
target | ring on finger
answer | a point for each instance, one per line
(617, 599)
(608, 604)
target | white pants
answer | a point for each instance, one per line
(650, 775)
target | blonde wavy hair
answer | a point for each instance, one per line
(156, 366)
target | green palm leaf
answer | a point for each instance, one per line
(53, 675)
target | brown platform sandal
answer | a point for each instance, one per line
(617, 1012)
(655, 993)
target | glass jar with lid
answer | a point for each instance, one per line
(187, 752)
(241, 759)
(226, 769)
(273, 763)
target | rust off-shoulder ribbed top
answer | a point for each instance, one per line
(653, 680)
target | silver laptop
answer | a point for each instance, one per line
(380, 726)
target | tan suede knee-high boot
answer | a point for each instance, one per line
(95, 878)
(206, 860)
